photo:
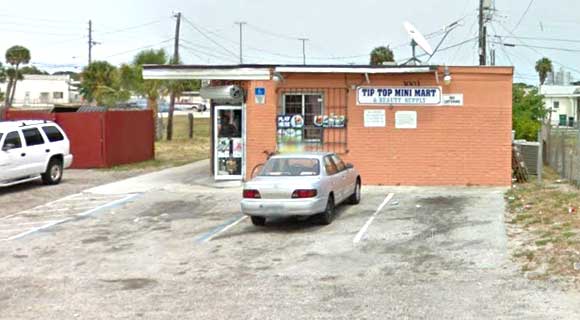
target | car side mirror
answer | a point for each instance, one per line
(8, 146)
(349, 166)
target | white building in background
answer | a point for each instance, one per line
(37, 91)
(563, 101)
(559, 78)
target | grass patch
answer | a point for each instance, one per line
(547, 234)
(181, 150)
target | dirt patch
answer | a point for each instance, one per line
(544, 228)
(131, 283)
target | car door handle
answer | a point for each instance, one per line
(47, 150)
(23, 154)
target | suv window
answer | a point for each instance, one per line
(53, 134)
(339, 163)
(329, 166)
(32, 137)
(13, 138)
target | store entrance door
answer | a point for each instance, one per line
(229, 143)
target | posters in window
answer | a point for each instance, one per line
(332, 121)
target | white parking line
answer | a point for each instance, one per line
(219, 230)
(363, 230)
(109, 205)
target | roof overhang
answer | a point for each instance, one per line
(358, 70)
(175, 73)
(265, 72)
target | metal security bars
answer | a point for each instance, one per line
(312, 119)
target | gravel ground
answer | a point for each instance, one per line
(29, 195)
(432, 253)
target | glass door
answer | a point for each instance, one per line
(229, 143)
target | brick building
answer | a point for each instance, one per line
(412, 125)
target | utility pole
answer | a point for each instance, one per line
(175, 60)
(241, 24)
(303, 49)
(90, 41)
(482, 35)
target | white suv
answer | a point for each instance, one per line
(32, 150)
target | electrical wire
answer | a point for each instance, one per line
(137, 49)
(523, 16)
(208, 37)
(130, 28)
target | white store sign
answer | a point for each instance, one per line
(453, 99)
(374, 118)
(406, 119)
(398, 96)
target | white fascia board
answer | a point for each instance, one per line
(206, 74)
(353, 70)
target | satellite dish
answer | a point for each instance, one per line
(418, 38)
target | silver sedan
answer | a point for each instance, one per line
(301, 184)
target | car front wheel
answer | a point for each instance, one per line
(53, 173)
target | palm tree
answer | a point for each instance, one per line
(16, 55)
(381, 54)
(101, 82)
(132, 79)
(543, 66)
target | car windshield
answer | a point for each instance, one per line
(291, 167)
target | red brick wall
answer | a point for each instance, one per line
(466, 145)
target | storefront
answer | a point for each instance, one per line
(423, 125)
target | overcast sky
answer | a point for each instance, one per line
(339, 32)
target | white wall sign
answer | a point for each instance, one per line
(453, 99)
(398, 95)
(260, 95)
(406, 119)
(374, 118)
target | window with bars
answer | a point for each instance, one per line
(316, 102)
(308, 105)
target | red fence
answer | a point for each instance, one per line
(102, 139)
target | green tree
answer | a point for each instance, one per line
(527, 111)
(543, 66)
(2, 80)
(15, 55)
(132, 79)
(32, 70)
(101, 82)
(381, 54)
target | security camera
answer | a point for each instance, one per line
(447, 79)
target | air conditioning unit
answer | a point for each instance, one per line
(229, 93)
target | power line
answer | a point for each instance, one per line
(136, 49)
(272, 34)
(523, 15)
(208, 37)
(542, 39)
(197, 51)
(539, 47)
(445, 48)
(131, 27)
(537, 51)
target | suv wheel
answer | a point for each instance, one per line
(53, 173)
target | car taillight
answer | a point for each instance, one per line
(252, 194)
(304, 193)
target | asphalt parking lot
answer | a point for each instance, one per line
(168, 246)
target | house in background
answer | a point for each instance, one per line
(563, 102)
(41, 91)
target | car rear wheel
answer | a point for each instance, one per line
(258, 221)
(356, 195)
(328, 215)
(53, 173)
